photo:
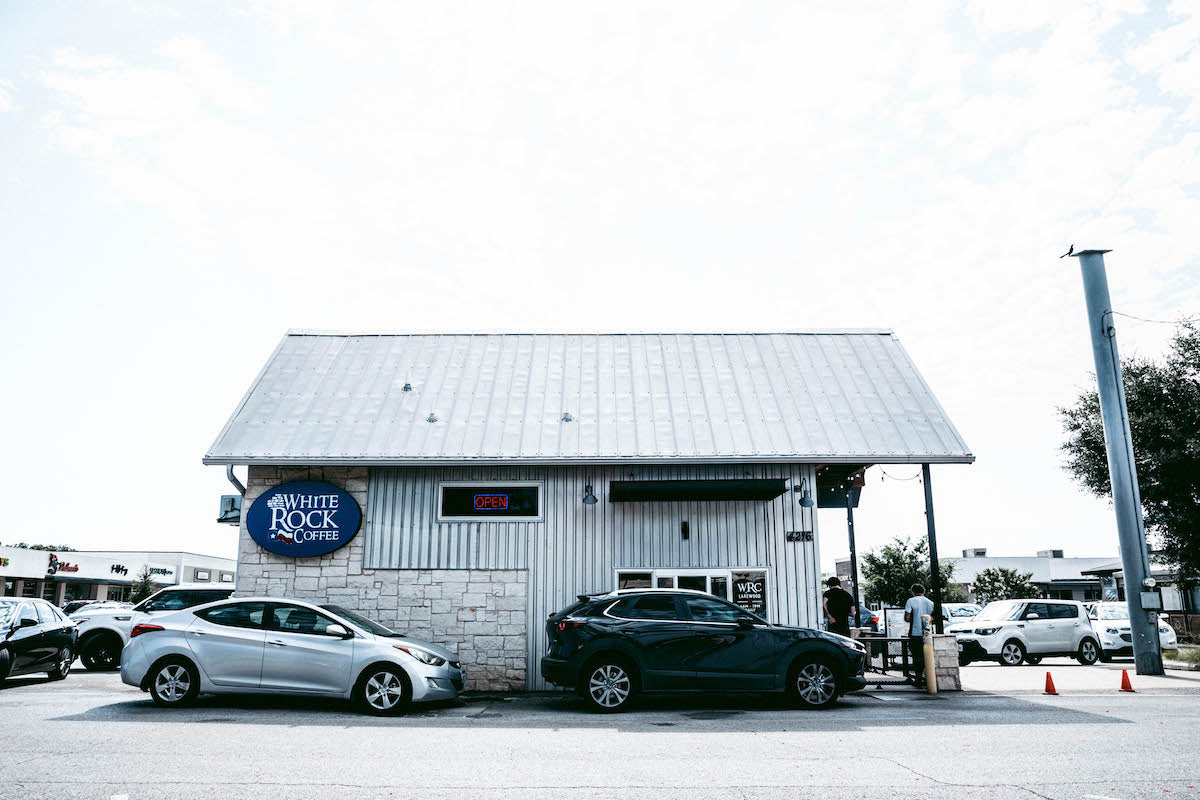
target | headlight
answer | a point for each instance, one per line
(1112, 631)
(423, 656)
(985, 631)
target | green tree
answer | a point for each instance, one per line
(890, 571)
(1002, 583)
(62, 548)
(143, 586)
(1164, 418)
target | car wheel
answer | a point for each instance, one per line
(383, 691)
(608, 685)
(174, 683)
(62, 667)
(1012, 653)
(813, 683)
(5, 663)
(1033, 660)
(1105, 656)
(1088, 652)
(101, 653)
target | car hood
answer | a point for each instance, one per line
(83, 613)
(837, 638)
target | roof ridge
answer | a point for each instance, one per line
(797, 332)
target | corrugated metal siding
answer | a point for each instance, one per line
(786, 397)
(577, 548)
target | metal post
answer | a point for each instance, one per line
(935, 577)
(853, 556)
(1135, 561)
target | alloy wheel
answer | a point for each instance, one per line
(383, 691)
(172, 683)
(609, 686)
(815, 684)
(1011, 654)
(1088, 651)
(65, 659)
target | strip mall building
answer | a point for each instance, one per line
(489, 479)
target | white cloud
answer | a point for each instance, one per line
(6, 95)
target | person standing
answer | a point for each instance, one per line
(837, 603)
(917, 607)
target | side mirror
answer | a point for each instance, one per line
(745, 624)
(1033, 615)
(338, 631)
(27, 622)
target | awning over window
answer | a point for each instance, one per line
(664, 491)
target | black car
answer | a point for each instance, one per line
(75, 605)
(34, 637)
(611, 647)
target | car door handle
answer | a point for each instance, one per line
(197, 633)
(277, 643)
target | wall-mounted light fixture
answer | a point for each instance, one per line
(806, 498)
(589, 499)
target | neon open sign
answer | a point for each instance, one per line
(491, 502)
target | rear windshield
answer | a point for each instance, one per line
(571, 609)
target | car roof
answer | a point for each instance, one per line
(651, 590)
(198, 586)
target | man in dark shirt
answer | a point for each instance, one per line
(837, 605)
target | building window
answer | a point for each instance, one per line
(499, 502)
(29, 589)
(226, 577)
(49, 589)
(742, 587)
(203, 575)
(118, 593)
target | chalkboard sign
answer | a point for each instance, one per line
(749, 591)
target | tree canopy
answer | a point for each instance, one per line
(1164, 418)
(143, 586)
(889, 571)
(1002, 583)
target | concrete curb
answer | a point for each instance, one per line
(1181, 665)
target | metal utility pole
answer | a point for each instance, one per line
(1135, 562)
(853, 555)
(935, 575)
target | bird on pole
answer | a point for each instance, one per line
(1070, 251)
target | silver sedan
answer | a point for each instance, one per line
(271, 645)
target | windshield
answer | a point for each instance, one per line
(999, 611)
(963, 611)
(6, 612)
(1113, 612)
(358, 619)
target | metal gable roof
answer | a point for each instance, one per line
(844, 396)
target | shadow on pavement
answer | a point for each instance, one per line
(682, 713)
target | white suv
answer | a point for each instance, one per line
(1016, 631)
(104, 631)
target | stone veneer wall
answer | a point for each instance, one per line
(479, 614)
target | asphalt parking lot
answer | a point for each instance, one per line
(92, 737)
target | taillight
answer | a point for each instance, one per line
(138, 630)
(568, 623)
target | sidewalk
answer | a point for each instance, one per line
(1070, 677)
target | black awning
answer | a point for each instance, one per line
(662, 491)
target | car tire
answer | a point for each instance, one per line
(62, 667)
(1032, 661)
(1012, 653)
(813, 682)
(5, 663)
(1088, 652)
(1105, 656)
(174, 682)
(608, 685)
(101, 653)
(963, 661)
(384, 691)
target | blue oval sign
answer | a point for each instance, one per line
(303, 519)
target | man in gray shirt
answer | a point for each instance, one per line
(917, 606)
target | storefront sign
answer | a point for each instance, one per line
(119, 569)
(511, 502)
(3, 562)
(303, 519)
(749, 591)
(55, 566)
(160, 571)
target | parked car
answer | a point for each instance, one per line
(959, 612)
(272, 645)
(866, 618)
(614, 646)
(1110, 621)
(104, 629)
(75, 605)
(35, 637)
(1016, 631)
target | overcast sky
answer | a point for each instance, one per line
(182, 183)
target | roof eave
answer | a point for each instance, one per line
(375, 461)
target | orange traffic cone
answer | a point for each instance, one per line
(1126, 686)
(1049, 685)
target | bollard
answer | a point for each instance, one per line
(927, 646)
